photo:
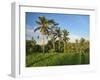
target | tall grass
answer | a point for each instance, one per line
(54, 59)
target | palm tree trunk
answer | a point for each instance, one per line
(53, 44)
(64, 47)
(59, 44)
(43, 44)
(76, 46)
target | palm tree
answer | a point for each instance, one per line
(82, 47)
(76, 45)
(58, 35)
(82, 41)
(53, 33)
(43, 26)
(65, 39)
(53, 38)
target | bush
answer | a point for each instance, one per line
(37, 48)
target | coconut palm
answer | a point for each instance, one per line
(53, 33)
(53, 39)
(76, 45)
(44, 27)
(65, 39)
(82, 42)
(58, 35)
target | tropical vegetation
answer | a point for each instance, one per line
(58, 50)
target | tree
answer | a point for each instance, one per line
(65, 39)
(53, 33)
(87, 46)
(76, 45)
(43, 26)
(58, 35)
(82, 42)
(30, 45)
(33, 41)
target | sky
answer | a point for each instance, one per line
(77, 25)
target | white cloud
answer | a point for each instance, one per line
(30, 33)
(74, 37)
(40, 41)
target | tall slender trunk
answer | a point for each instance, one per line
(59, 44)
(54, 44)
(76, 47)
(43, 43)
(64, 47)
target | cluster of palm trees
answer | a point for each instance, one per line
(50, 28)
(59, 38)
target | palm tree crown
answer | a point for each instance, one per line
(65, 35)
(43, 25)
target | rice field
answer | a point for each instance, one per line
(56, 59)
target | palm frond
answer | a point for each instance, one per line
(42, 19)
(37, 29)
(52, 22)
(38, 22)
